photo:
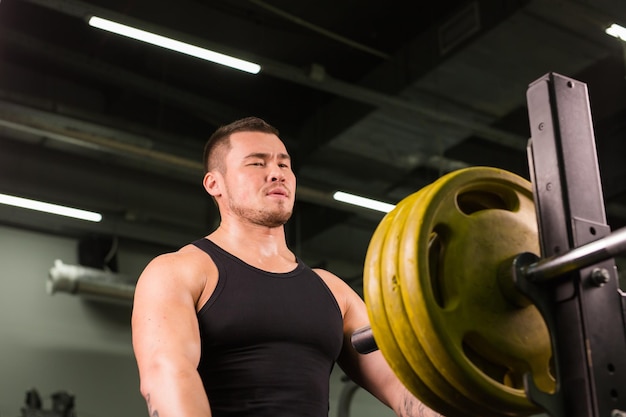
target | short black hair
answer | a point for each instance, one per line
(220, 140)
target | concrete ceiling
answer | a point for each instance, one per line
(374, 98)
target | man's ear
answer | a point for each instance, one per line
(211, 184)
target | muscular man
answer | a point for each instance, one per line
(235, 324)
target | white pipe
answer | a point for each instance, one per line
(89, 282)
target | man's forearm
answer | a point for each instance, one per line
(175, 395)
(412, 407)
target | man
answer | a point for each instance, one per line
(235, 324)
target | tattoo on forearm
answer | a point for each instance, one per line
(422, 411)
(151, 412)
(412, 407)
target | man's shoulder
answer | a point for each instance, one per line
(338, 287)
(187, 269)
(187, 260)
(185, 253)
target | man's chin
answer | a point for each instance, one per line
(276, 219)
(282, 221)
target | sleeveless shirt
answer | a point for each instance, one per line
(269, 341)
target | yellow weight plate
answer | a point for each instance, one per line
(468, 224)
(400, 327)
(375, 303)
(380, 323)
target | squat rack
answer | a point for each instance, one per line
(576, 285)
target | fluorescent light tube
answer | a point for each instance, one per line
(50, 208)
(174, 45)
(617, 31)
(363, 202)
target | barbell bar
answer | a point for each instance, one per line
(578, 258)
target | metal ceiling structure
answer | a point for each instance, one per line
(373, 98)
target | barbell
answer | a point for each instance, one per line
(442, 305)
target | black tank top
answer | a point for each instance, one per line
(269, 340)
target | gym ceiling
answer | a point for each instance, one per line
(373, 98)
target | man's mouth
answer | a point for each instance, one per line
(278, 191)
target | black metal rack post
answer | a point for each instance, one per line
(583, 308)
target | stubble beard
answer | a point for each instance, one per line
(263, 217)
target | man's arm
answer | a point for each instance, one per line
(412, 407)
(166, 338)
(371, 370)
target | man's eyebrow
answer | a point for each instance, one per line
(262, 155)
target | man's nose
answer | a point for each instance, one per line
(276, 173)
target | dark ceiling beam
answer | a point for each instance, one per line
(209, 110)
(131, 147)
(317, 29)
(314, 78)
(411, 62)
(134, 203)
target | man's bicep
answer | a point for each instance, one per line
(166, 339)
(164, 323)
(371, 370)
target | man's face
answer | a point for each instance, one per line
(259, 184)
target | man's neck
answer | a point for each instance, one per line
(262, 247)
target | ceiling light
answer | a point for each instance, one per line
(363, 202)
(50, 208)
(174, 45)
(617, 31)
